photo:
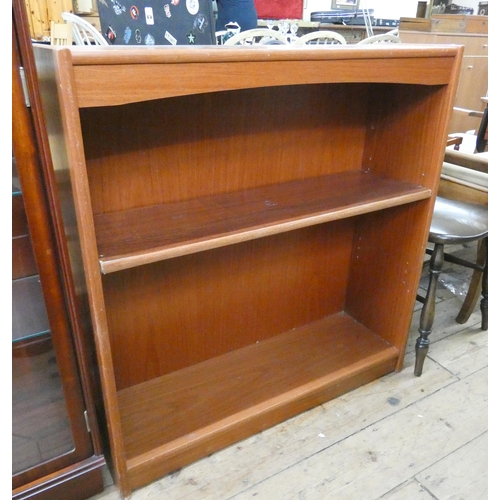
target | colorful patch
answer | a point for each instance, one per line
(170, 38)
(134, 12)
(191, 38)
(127, 35)
(166, 8)
(111, 34)
(200, 23)
(148, 12)
(193, 6)
(118, 8)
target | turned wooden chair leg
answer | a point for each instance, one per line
(475, 284)
(428, 310)
(484, 301)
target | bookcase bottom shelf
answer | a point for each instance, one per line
(176, 419)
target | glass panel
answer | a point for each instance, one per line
(40, 425)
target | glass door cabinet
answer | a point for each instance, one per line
(56, 451)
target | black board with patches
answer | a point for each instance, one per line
(157, 22)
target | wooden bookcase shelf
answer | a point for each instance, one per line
(131, 237)
(246, 228)
(255, 382)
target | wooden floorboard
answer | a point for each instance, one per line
(461, 471)
(398, 438)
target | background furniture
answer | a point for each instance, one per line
(482, 132)
(143, 22)
(465, 177)
(473, 84)
(381, 38)
(231, 283)
(83, 32)
(40, 14)
(352, 33)
(256, 36)
(61, 33)
(56, 450)
(454, 222)
(460, 216)
(321, 38)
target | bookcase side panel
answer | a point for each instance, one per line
(65, 141)
(407, 133)
(408, 144)
(386, 267)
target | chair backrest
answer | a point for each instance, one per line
(260, 36)
(464, 177)
(382, 38)
(322, 37)
(83, 32)
(61, 33)
(394, 31)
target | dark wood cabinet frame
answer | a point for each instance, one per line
(77, 474)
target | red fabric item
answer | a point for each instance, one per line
(279, 9)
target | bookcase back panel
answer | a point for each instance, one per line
(181, 148)
(169, 315)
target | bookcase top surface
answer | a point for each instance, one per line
(148, 73)
(84, 55)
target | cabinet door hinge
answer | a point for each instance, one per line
(25, 87)
(86, 416)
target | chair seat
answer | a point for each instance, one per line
(458, 222)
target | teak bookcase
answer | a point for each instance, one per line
(247, 227)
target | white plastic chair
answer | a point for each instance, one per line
(382, 38)
(83, 32)
(322, 37)
(261, 36)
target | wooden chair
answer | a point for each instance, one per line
(261, 36)
(482, 133)
(83, 32)
(322, 37)
(61, 33)
(460, 216)
(394, 31)
(382, 38)
(481, 143)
